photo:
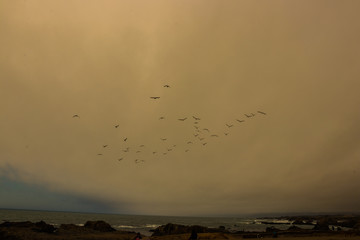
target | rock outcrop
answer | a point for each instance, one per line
(100, 226)
(170, 229)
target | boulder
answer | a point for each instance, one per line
(100, 226)
(322, 224)
(170, 229)
(43, 227)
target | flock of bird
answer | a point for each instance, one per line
(200, 135)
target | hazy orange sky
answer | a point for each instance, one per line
(297, 61)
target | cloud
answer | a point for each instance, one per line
(103, 61)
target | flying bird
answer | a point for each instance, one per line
(240, 120)
(248, 116)
(104, 146)
(76, 116)
(182, 119)
(161, 118)
(261, 112)
(204, 144)
(125, 139)
(116, 126)
(186, 150)
(142, 145)
(196, 122)
(138, 151)
(205, 129)
(163, 139)
(189, 142)
(154, 97)
(196, 135)
(120, 159)
(214, 135)
(226, 134)
(201, 138)
(99, 154)
(154, 152)
(229, 126)
(167, 86)
(196, 118)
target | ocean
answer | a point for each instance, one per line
(138, 223)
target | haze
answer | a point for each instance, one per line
(296, 61)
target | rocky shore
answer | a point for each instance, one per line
(101, 230)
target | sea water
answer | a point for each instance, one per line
(138, 223)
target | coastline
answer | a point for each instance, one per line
(101, 230)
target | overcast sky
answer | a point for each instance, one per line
(296, 61)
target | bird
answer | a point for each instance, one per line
(154, 97)
(196, 118)
(248, 116)
(204, 144)
(104, 146)
(182, 119)
(161, 118)
(163, 139)
(196, 135)
(167, 86)
(127, 150)
(261, 112)
(229, 126)
(164, 153)
(120, 159)
(240, 120)
(138, 151)
(154, 152)
(189, 142)
(174, 145)
(125, 139)
(201, 138)
(186, 150)
(196, 127)
(226, 134)
(196, 122)
(116, 126)
(205, 129)
(169, 149)
(214, 135)
(142, 145)
(99, 154)
(76, 116)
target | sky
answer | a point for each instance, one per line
(274, 83)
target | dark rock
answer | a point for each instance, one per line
(272, 229)
(44, 227)
(170, 229)
(26, 224)
(100, 226)
(323, 224)
(72, 228)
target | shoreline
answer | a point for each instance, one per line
(92, 230)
